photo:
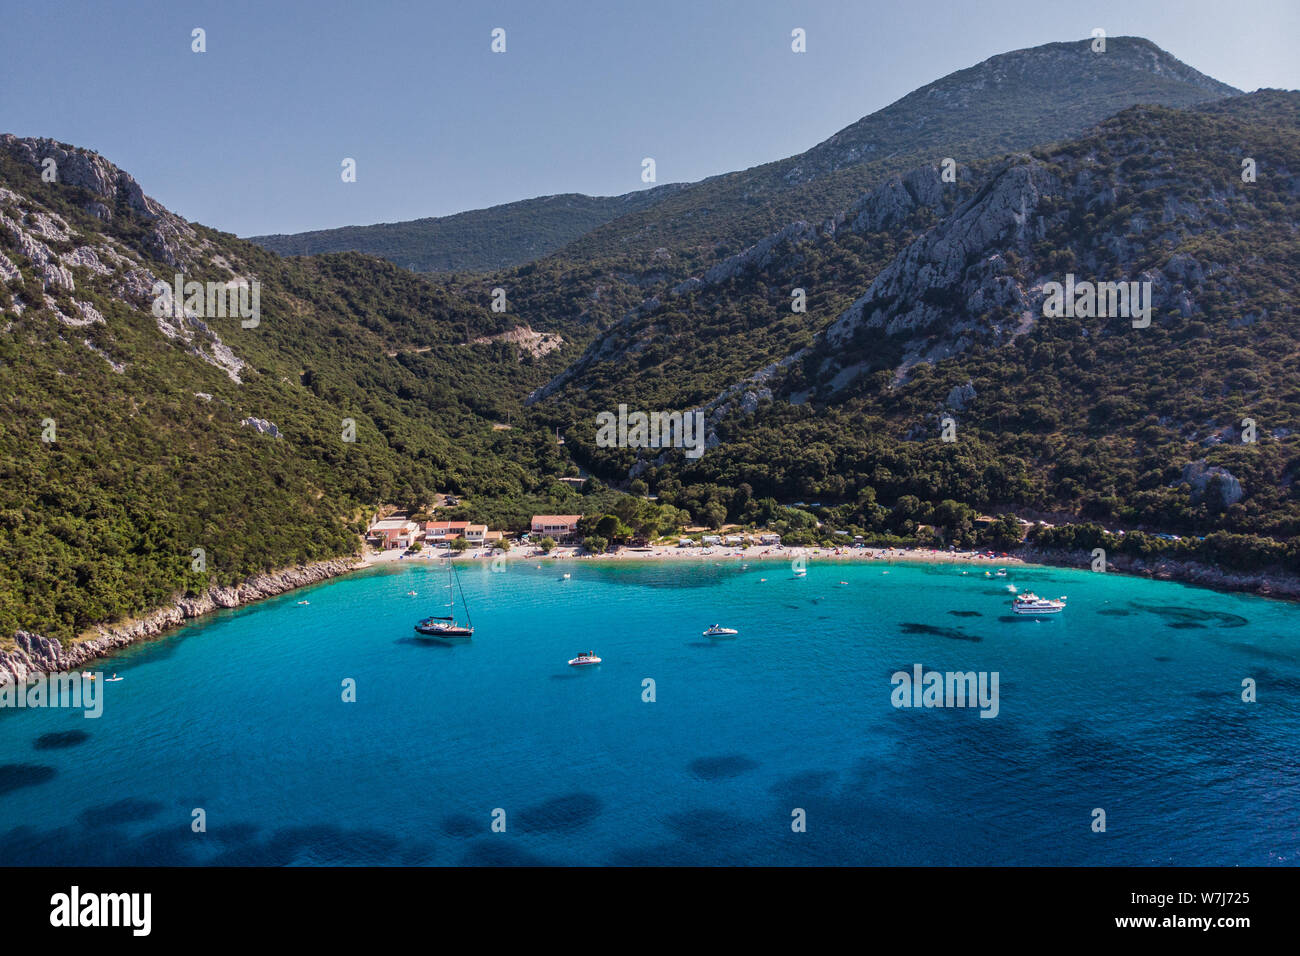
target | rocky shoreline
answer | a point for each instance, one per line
(1275, 583)
(42, 655)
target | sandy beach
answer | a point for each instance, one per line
(715, 553)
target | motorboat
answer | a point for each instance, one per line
(586, 657)
(1031, 603)
(717, 630)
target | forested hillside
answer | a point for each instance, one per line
(926, 302)
(161, 425)
(475, 241)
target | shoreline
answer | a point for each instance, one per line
(35, 655)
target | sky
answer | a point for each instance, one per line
(249, 136)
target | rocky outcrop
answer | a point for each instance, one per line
(525, 339)
(761, 254)
(8, 271)
(893, 201)
(1270, 583)
(100, 264)
(89, 171)
(35, 654)
(953, 263)
(959, 396)
(1217, 486)
(262, 426)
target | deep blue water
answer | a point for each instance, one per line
(1129, 701)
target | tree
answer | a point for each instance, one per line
(459, 544)
(714, 514)
(613, 528)
(547, 544)
(595, 544)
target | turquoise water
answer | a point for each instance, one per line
(1130, 701)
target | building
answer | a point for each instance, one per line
(391, 533)
(563, 528)
(440, 532)
(770, 538)
(475, 534)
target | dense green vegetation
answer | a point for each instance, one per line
(102, 522)
(475, 241)
(1075, 417)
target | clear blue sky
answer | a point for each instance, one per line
(248, 137)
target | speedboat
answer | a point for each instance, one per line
(717, 630)
(586, 657)
(1000, 573)
(1031, 603)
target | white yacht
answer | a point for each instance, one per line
(1031, 603)
(717, 630)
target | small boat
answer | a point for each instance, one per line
(586, 657)
(113, 679)
(1000, 573)
(411, 594)
(301, 603)
(717, 630)
(87, 675)
(567, 576)
(1031, 603)
(800, 572)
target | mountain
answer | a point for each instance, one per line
(475, 241)
(137, 431)
(1008, 102)
(926, 303)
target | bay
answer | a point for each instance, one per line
(1130, 701)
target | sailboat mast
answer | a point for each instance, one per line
(460, 587)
